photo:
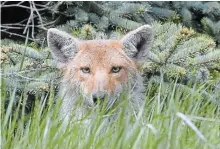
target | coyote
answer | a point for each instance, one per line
(100, 70)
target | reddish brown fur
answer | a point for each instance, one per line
(100, 57)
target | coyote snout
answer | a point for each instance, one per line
(100, 70)
(100, 95)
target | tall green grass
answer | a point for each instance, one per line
(172, 118)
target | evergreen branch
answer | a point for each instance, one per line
(208, 58)
(95, 8)
(125, 23)
(20, 49)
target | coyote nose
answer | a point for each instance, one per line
(98, 96)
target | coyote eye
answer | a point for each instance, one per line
(115, 69)
(85, 69)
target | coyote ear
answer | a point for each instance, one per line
(62, 45)
(137, 43)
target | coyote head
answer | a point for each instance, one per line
(100, 69)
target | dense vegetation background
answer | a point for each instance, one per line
(182, 73)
